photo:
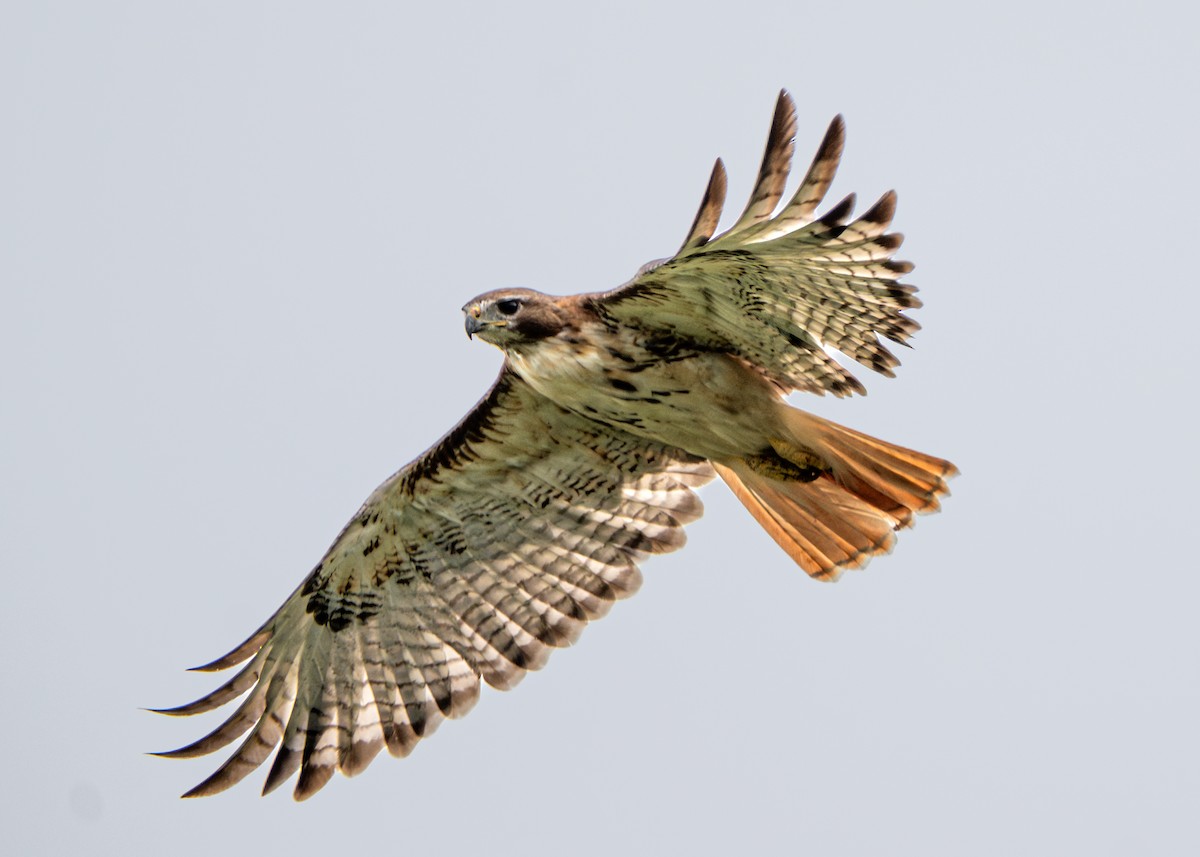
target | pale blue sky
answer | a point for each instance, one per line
(234, 238)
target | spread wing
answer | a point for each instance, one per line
(494, 547)
(782, 291)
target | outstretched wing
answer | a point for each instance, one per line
(495, 546)
(780, 291)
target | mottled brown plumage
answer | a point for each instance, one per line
(528, 519)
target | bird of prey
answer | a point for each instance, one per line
(529, 518)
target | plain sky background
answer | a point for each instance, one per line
(234, 240)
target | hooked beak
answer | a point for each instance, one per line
(473, 325)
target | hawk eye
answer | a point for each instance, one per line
(508, 307)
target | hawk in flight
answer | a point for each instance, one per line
(530, 517)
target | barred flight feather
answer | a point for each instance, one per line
(776, 287)
(384, 640)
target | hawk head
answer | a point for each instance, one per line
(510, 317)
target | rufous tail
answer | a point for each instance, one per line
(833, 497)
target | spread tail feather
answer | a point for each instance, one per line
(820, 525)
(835, 496)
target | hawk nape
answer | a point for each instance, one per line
(529, 518)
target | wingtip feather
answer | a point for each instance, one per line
(247, 648)
(776, 163)
(711, 206)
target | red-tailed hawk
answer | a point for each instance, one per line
(528, 519)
